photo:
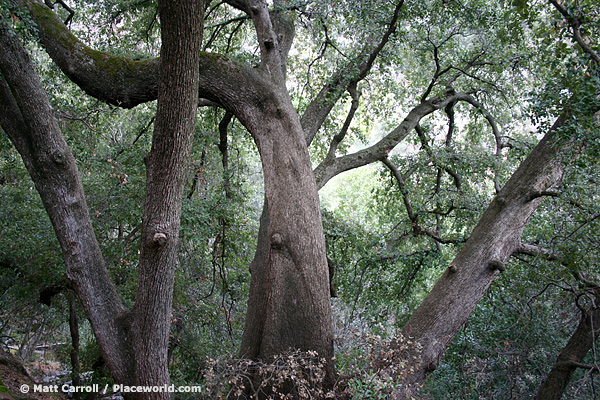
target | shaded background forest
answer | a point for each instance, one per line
(389, 239)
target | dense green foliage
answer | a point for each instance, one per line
(389, 240)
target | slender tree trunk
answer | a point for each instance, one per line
(571, 357)
(433, 326)
(167, 165)
(74, 353)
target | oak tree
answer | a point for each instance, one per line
(289, 304)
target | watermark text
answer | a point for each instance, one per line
(96, 388)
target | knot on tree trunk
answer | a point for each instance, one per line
(496, 265)
(276, 241)
(159, 239)
(58, 157)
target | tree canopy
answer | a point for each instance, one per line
(376, 199)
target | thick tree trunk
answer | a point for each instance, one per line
(571, 357)
(289, 306)
(438, 319)
(27, 118)
(134, 343)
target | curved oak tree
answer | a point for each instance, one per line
(290, 272)
(289, 304)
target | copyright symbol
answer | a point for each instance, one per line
(24, 388)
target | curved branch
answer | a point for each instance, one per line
(242, 5)
(414, 219)
(495, 131)
(65, 6)
(352, 72)
(575, 25)
(331, 167)
(467, 98)
(124, 82)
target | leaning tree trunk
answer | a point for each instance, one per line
(28, 119)
(572, 356)
(433, 326)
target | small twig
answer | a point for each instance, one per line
(569, 363)
(417, 229)
(62, 115)
(337, 139)
(434, 159)
(144, 130)
(65, 6)
(575, 24)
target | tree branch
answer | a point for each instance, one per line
(438, 69)
(65, 6)
(125, 82)
(354, 71)
(536, 251)
(337, 139)
(401, 185)
(497, 234)
(331, 167)
(495, 131)
(575, 364)
(575, 25)
(571, 357)
(417, 229)
(242, 5)
(271, 60)
(434, 159)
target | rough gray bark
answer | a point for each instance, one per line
(167, 163)
(289, 304)
(134, 343)
(27, 118)
(294, 258)
(572, 356)
(289, 294)
(497, 235)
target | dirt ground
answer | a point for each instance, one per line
(13, 375)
